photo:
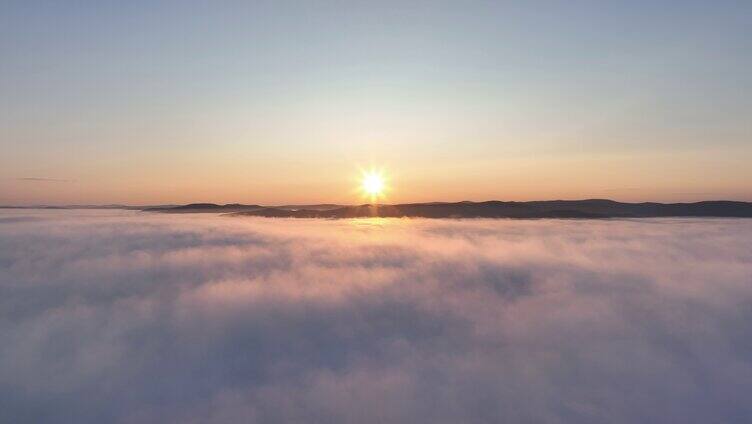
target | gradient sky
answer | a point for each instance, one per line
(282, 102)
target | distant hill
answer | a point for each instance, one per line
(205, 208)
(236, 207)
(592, 208)
(319, 207)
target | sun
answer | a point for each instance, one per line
(373, 184)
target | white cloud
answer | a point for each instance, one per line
(131, 317)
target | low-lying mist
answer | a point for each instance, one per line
(111, 316)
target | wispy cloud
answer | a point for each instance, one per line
(129, 317)
(43, 180)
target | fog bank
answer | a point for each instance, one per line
(135, 317)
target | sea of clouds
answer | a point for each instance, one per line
(112, 316)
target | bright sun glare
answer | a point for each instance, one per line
(373, 184)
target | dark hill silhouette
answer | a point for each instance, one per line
(317, 207)
(205, 208)
(591, 208)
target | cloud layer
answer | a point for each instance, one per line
(109, 316)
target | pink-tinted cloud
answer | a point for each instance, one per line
(130, 317)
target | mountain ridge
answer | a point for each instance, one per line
(588, 208)
(585, 208)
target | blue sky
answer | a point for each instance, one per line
(276, 102)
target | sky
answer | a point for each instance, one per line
(127, 317)
(276, 102)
